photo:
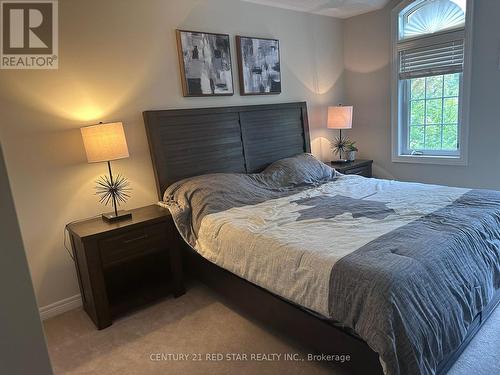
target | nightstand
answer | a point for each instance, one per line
(125, 264)
(359, 167)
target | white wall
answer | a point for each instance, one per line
(367, 79)
(117, 59)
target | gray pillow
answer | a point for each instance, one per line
(302, 169)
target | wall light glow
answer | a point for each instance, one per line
(87, 113)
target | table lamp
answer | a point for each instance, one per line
(340, 117)
(104, 143)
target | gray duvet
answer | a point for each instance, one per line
(406, 266)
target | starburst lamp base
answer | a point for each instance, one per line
(113, 190)
(111, 217)
(340, 159)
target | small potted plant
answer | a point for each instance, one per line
(351, 150)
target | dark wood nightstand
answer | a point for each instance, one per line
(359, 167)
(128, 263)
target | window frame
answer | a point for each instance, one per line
(400, 102)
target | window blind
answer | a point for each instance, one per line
(437, 59)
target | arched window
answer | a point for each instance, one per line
(428, 17)
(430, 92)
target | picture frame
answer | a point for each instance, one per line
(205, 63)
(259, 65)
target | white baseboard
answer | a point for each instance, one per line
(60, 307)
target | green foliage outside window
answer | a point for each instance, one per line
(433, 117)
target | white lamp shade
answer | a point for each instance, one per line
(105, 142)
(340, 117)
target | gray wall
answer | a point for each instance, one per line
(22, 343)
(117, 59)
(367, 78)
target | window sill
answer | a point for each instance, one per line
(423, 159)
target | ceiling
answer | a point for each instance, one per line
(332, 8)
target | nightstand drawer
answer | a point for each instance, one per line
(133, 243)
(361, 171)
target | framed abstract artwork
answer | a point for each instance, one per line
(258, 65)
(205, 62)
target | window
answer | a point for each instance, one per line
(430, 81)
(431, 16)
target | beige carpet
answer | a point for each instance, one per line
(200, 323)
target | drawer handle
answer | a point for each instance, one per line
(143, 237)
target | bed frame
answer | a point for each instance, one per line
(245, 139)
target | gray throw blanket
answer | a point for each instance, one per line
(417, 289)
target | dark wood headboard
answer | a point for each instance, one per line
(243, 139)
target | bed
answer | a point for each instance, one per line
(383, 271)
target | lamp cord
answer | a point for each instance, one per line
(65, 236)
(66, 232)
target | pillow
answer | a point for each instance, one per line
(302, 169)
